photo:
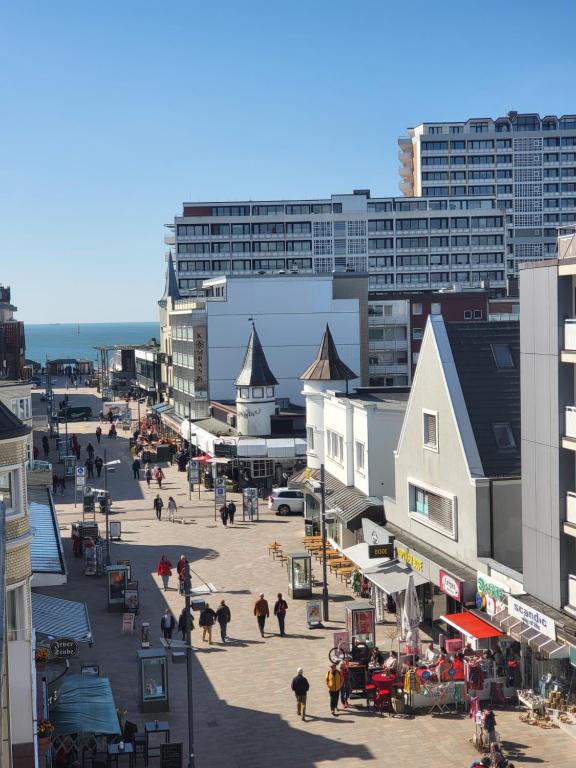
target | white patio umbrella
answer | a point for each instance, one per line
(411, 616)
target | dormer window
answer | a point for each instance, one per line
(244, 392)
(269, 391)
(257, 392)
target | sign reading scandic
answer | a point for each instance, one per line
(539, 621)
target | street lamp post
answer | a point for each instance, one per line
(187, 590)
(106, 506)
(325, 608)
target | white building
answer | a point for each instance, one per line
(525, 163)
(204, 339)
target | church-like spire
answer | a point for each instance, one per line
(328, 366)
(171, 290)
(255, 369)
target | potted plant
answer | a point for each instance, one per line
(44, 730)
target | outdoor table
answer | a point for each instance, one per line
(339, 562)
(341, 572)
(273, 547)
(114, 752)
(158, 726)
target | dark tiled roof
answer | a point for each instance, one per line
(171, 290)
(328, 366)
(10, 424)
(492, 394)
(255, 370)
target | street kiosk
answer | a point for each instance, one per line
(300, 575)
(153, 679)
(360, 624)
(117, 579)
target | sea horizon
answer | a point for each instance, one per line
(46, 341)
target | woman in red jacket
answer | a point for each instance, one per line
(164, 570)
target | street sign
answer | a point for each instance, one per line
(80, 471)
(194, 472)
(220, 493)
(64, 648)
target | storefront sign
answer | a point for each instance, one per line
(491, 596)
(450, 585)
(532, 617)
(414, 562)
(380, 550)
(313, 613)
(200, 359)
(64, 648)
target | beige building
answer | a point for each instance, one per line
(17, 396)
(18, 675)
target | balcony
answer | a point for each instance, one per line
(567, 254)
(570, 523)
(406, 172)
(169, 239)
(406, 188)
(569, 438)
(568, 352)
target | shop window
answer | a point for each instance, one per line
(431, 430)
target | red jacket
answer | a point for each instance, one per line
(164, 568)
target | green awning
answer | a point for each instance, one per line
(84, 705)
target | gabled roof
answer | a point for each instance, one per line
(328, 366)
(491, 393)
(10, 424)
(255, 370)
(171, 290)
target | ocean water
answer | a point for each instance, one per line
(78, 340)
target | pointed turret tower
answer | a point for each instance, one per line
(327, 371)
(255, 393)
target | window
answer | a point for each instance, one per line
(380, 225)
(416, 309)
(433, 509)
(262, 468)
(267, 210)
(298, 228)
(240, 229)
(292, 210)
(15, 613)
(6, 490)
(268, 228)
(502, 355)
(322, 229)
(193, 247)
(477, 314)
(360, 457)
(188, 230)
(436, 309)
(221, 229)
(504, 436)
(335, 446)
(417, 334)
(257, 392)
(299, 246)
(244, 392)
(467, 314)
(21, 407)
(430, 430)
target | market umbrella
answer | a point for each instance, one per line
(411, 616)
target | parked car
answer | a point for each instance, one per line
(285, 501)
(76, 413)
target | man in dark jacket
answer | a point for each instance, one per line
(280, 608)
(207, 619)
(136, 469)
(231, 512)
(184, 622)
(98, 464)
(223, 617)
(167, 624)
(300, 686)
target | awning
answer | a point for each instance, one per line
(53, 617)
(169, 418)
(359, 556)
(48, 564)
(394, 578)
(84, 705)
(517, 629)
(279, 447)
(251, 447)
(470, 625)
(161, 407)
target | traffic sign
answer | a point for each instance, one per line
(64, 648)
(193, 471)
(80, 471)
(220, 492)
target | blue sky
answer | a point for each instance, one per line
(113, 113)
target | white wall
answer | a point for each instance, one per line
(290, 315)
(378, 428)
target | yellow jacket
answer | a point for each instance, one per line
(333, 680)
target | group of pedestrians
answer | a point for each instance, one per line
(159, 506)
(150, 473)
(262, 612)
(337, 682)
(227, 512)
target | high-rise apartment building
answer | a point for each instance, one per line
(527, 163)
(402, 244)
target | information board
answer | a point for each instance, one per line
(171, 755)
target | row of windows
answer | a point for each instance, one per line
(475, 144)
(387, 243)
(257, 246)
(423, 278)
(242, 265)
(262, 210)
(266, 228)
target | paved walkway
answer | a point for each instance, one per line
(244, 709)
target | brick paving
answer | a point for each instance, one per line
(245, 713)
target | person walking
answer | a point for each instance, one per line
(345, 690)
(45, 446)
(90, 450)
(164, 570)
(98, 463)
(185, 620)
(136, 469)
(98, 433)
(77, 450)
(231, 512)
(206, 621)
(159, 476)
(172, 509)
(158, 504)
(181, 571)
(280, 608)
(223, 617)
(167, 624)
(333, 683)
(300, 686)
(112, 434)
(55, 482)
(261, 611)
(148, 475)
(89, 464)
(224, 515)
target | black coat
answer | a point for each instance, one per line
(168, 622)
(223, 614)
(300, 685)
(207, 617)
(183, 624)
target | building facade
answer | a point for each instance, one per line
(12, 339)
(525, 162)
(402, 244)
